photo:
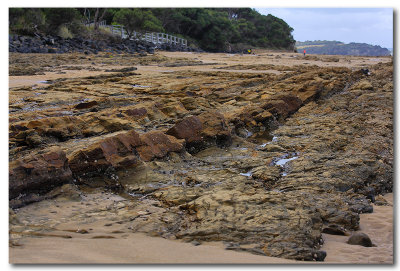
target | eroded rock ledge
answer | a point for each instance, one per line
(262, 162)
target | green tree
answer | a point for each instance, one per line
(57, 17)
(214, 29)
(170, 18)
(26, 21)
(137, 20)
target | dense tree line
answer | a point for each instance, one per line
(212, 29)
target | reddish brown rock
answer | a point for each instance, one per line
(122, 151)
(118, 150)
(136, 112)
(251, 116)
(38, 172)
(247, 115)
(115, 151)
(189, 129)
(283, 105)
(88, 161)
(293, 102)
(214, 125)
(209, 128)
(38, 132)
(157, 144)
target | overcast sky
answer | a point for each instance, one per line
(368, 25)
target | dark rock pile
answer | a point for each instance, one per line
(55, 44)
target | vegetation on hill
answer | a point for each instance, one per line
(212, 29)
(339, 48)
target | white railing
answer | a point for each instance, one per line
(156, 38)
(91, 24)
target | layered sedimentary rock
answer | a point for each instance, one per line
(263, 162)
(38, 173)
(206, 129)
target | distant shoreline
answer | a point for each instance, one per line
(340, 48)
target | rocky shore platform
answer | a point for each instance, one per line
(267, 154)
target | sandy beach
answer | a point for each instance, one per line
(222, 61)
(140, 248)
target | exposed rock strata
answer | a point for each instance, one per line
(199, 132)
(39, 172)
(264, 162)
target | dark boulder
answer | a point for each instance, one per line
(319, 255)
(334, 230)
(86, 105)
(361, 239)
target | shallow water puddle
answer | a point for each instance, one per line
(263, 145)
(45, 82)
(140, 86)
(272, 140)
(247, 174)
(283, 161)
(248, 133)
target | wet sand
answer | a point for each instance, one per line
(222, 61)
(378, 226)
(140, 248)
